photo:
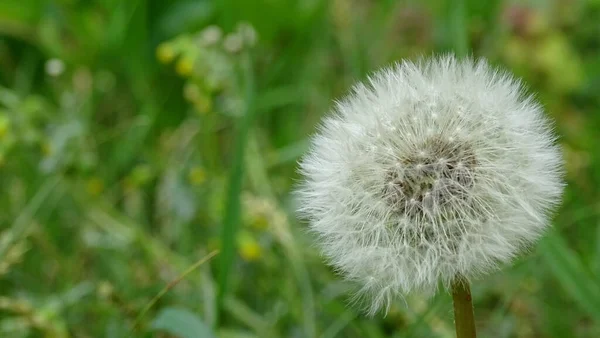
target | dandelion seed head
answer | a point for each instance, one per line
(429, 171)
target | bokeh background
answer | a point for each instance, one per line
(137, 137)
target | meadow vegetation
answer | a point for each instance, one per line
(138, 137)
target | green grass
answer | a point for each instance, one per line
(120, 174)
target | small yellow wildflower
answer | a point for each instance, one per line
(185, 66)
(197, 175)
(165, 53)
(248, 248)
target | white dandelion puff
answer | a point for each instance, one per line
(429, 171)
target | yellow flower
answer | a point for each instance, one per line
(165, 53)
(185, 66)
(197, 175)
(248, 248)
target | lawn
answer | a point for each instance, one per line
(148, 151)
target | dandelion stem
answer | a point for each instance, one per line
(463, 309)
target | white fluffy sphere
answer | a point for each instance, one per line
(430, 171)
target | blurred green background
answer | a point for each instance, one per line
(137, 137)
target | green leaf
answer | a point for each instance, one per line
(182, 323)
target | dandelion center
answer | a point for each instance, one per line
(430, 178)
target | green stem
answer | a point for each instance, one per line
(463, 309)
(233, 208)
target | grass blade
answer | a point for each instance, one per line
(232, 215)
(571, 274)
